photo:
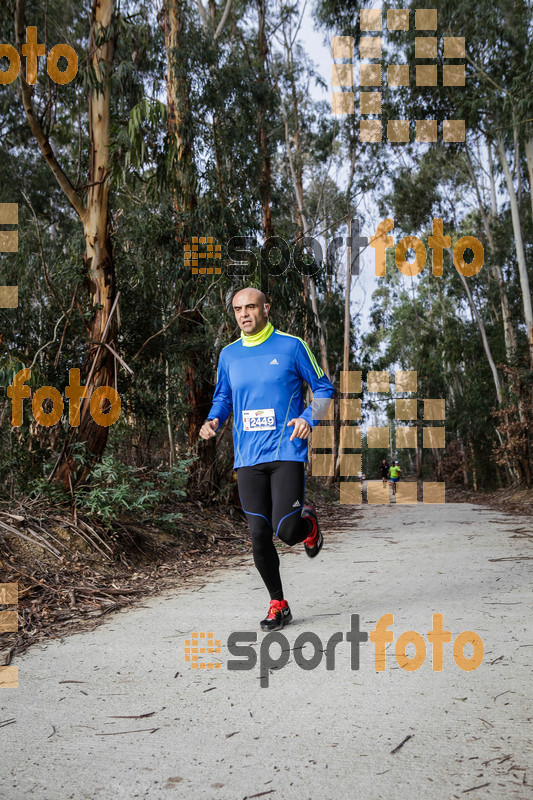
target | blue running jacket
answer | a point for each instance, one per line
(259, 378)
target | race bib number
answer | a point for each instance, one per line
(263, 419)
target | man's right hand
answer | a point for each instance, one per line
(209, 428)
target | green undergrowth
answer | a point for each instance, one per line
(117, 491)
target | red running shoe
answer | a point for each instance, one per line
(313, 543)
(279, 614)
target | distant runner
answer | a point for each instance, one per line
(259, 378)
(384, 469)
(394, 475)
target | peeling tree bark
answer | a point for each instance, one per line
(183, 182)
(98, 257)
(178, 108)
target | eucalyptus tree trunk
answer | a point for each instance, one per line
(178, 110)
(486, 345)
(98, 265)
(508, 330)
(168, 414)
(183, 181)
(262, 133)
(488, 353)
(183, 185)
(212, 30)
(529, 159)
(464, 460)
(519, 244)
(298, 173)
(298, 196)
(312, 285)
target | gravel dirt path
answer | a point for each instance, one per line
(117, 713)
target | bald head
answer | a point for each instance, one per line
(251, 310)
(247, 292)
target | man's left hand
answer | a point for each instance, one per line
(302, 429)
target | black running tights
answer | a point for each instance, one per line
(272, 497)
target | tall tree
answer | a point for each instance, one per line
(183, 181)
(262, 132)
(98, 264)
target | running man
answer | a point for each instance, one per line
(259, 378)
(384, 469)
(394, 475)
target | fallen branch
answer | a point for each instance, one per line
(512, 558)
(102, 592)
(119, 733)
(473, 788)
(40, 543)
(131, 716)
(409, 736)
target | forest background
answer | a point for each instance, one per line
(198, 119)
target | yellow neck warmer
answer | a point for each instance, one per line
(257, 338)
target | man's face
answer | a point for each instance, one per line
(250, 312)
